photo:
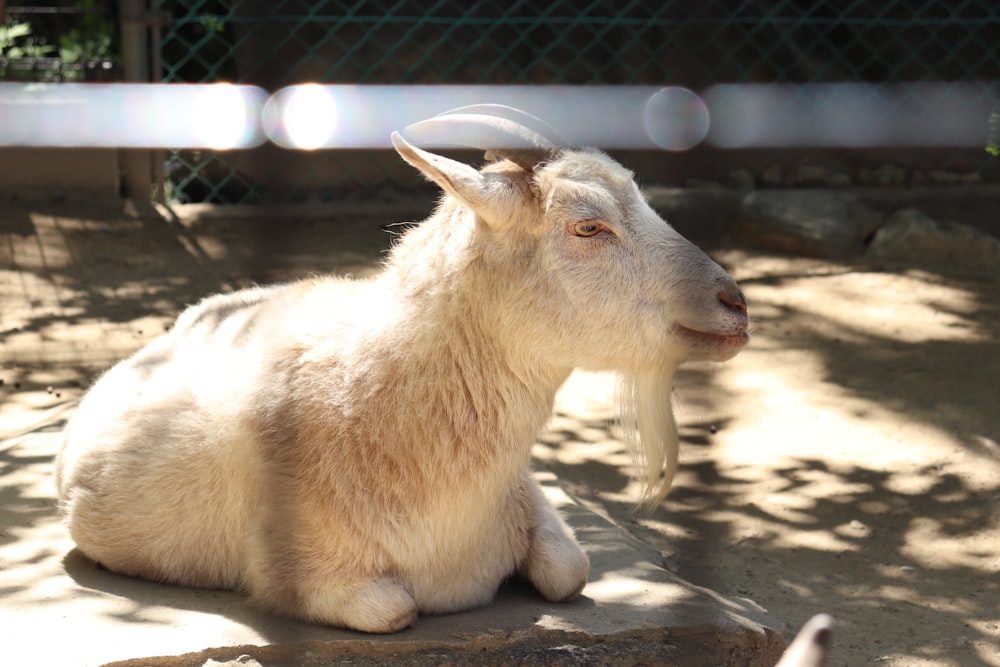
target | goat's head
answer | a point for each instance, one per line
(601, 281)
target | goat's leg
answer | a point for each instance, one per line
(555, 563)
(377, 605)
(317, 586)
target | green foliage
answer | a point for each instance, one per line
(212, 23)
(17, 41)
(993, 139)
(71, 40)
(91, 39)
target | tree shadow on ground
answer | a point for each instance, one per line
(904, 555)
(749, 519)
(934, 359)
(86, 290)
(91, 286)
(82, 287)
(794, 548)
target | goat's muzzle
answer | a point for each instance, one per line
(728, 334)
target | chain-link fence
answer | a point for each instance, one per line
(692, 43)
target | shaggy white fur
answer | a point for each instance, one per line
(355, 452)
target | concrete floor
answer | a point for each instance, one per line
(81, 288)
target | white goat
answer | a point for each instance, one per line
(353, 452)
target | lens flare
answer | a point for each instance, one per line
(310, 116)
(676, 119)
(220, 116)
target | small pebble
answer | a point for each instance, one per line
(907, 569)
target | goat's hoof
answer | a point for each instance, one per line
(575, 594)
(569, 590)
(399, 622)
(381, 607)
(558, 568)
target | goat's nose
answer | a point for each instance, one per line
(732, 298)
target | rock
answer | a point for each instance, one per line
(911, 237)
(701, 184)
(700, 214)
(883, 176)
(942, 177)
(773, 176)
(838, 179)
(241, 661)
(740, 179)
(918, 177)
(811, 176)
(813, 223)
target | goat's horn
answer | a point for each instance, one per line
(516, 115)
(504, 137)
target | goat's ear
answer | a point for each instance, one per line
(457, 179)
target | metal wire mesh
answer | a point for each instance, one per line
(694, 43)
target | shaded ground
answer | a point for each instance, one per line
(847, 462)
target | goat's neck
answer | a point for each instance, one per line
(455, 318)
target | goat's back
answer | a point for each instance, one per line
(160, 471)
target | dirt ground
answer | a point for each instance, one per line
(847, 462)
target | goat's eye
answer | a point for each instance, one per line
(587, 228)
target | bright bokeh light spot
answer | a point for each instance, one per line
(309, 116)
(220, 116)
(676, 119)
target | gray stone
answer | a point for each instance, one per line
(701, 184)
(773, 176)
(812, 223)
(884, 175)
(911, 237)
(239, 661)
(918, 178)
(700, 214)
(811, 176)
(740, 179)
(838, 179)
(942, 177)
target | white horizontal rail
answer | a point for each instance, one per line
(313, 116)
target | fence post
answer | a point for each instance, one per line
(137, 164)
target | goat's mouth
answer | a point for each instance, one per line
(725, 343)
